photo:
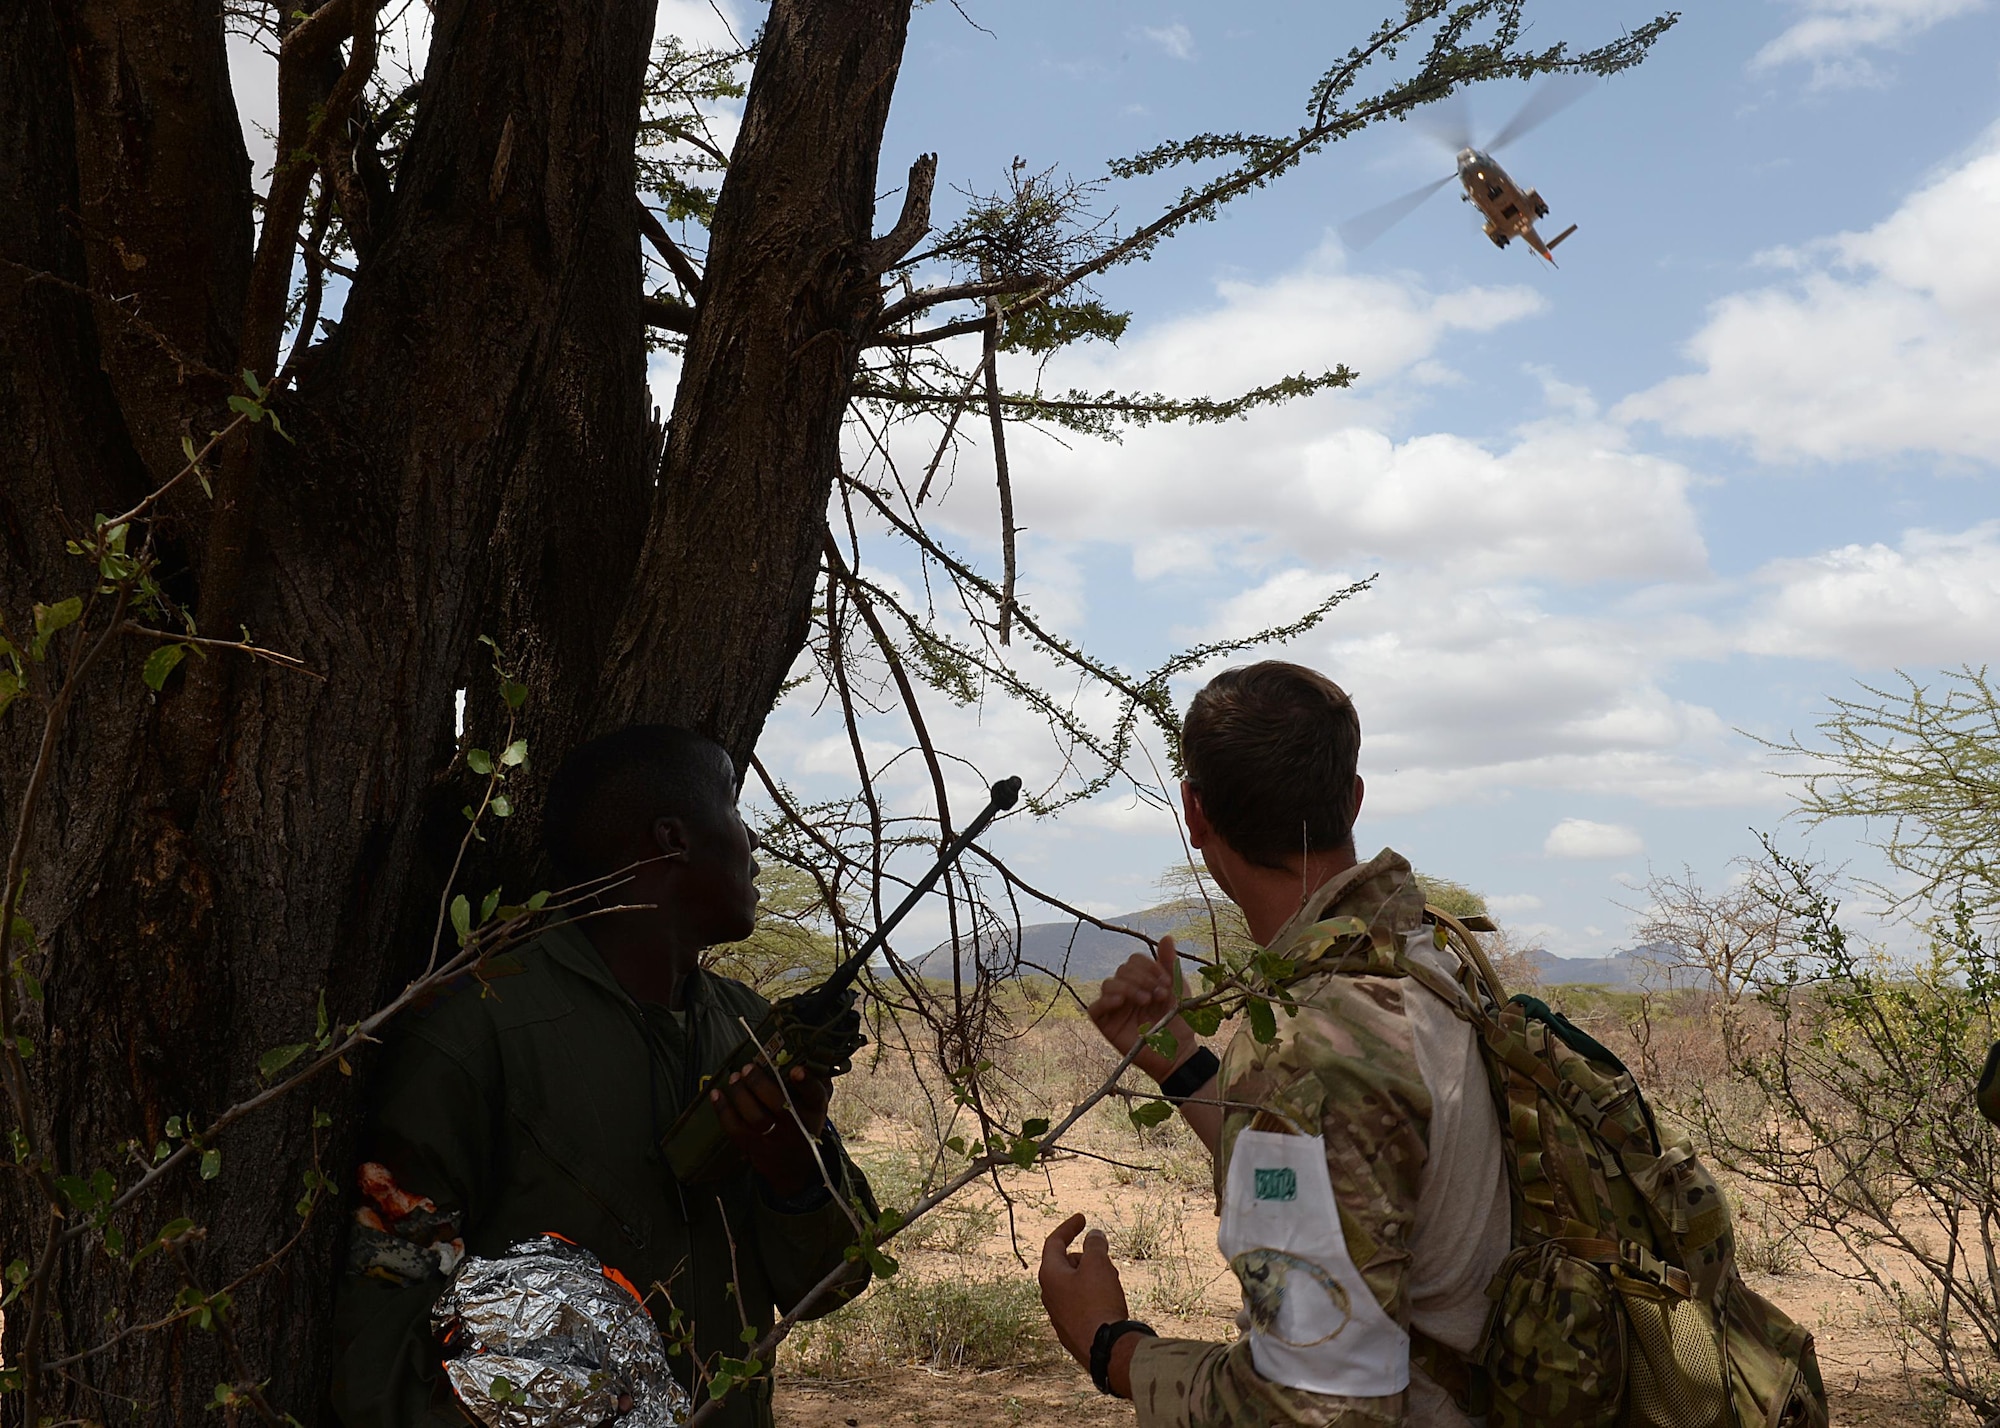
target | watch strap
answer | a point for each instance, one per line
(1101, 1345)
(1190, 1076)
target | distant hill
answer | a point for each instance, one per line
(1619, 970)
(1090, 954)
(1077, 949)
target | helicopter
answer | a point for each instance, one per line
(1509, 210)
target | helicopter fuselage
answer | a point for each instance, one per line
(1510, 210)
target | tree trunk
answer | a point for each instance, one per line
(471, 458)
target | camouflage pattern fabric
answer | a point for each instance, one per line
(1345, 1069)
(1620, 1305)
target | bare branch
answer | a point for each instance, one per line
(911, 225)
(684, 270)
(925, 336)
(990, 369)
(668, 313)
(923, 298)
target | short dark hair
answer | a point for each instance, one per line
(608, 792)
(1271, 751)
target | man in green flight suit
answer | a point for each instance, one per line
(536, 1103)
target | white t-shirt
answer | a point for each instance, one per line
(1464, 1224)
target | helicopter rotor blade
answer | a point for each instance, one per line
(1556, 95)
(1448, 122)
(1358, 232)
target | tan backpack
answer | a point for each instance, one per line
(1620, 1305)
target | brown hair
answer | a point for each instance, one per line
(1271, 750)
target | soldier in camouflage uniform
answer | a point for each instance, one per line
(1359, 1171)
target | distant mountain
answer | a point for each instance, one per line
(1619, 970)
(1077, 949)
(1089, 954)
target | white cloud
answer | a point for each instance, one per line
(1467, 693)
(1580, 838)
(253, 83)
(1324, 480)
(1933, 599)
(1176, 39)
(1513, 902)
(1829, 34)
(1888, 343)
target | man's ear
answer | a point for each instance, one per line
(1360, 788)
(1198, 826)
(670, 836)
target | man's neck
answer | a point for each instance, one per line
(1272, 897)
(643, 959)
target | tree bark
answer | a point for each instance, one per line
(719, 607)
(473, 457)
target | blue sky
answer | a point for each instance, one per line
(1734, 456)
(1731, 458)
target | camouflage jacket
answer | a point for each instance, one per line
(1344, 1068)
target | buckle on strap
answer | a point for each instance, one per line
(1635, 1259)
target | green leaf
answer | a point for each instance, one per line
(25, 1047)
(1164, 1042)
(479, 761)
(171, 1231)
(1263, 1023)
(487, 904)
(114, 1240)
(461, 918)
(1204, 1020)
(279, 1057)
(256, 388)
(1149, 1113)
(246, 407)
(319, 1026)
(173, 1127)
(50, 619)
(746, 1335)
(161, 663)
(1037, 1126)
(211, 1164)
(514, 692)
(535, 903)
(956, 1145)
(502, 806)
(515, 753)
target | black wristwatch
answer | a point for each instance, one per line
(1193, 1074)
(1100, 1348)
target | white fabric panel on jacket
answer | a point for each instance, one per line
(1314, 1323)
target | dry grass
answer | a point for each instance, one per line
(964, 1310)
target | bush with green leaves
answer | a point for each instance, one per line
(1855, 1113)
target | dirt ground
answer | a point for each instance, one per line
(1184, 1289)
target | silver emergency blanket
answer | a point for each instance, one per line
(540, 1338)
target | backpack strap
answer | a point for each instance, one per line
(1463, 1380)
